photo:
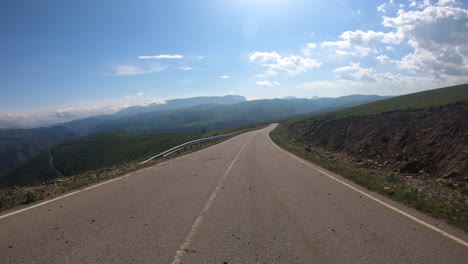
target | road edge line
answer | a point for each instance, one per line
(106, 182)
(407, 215)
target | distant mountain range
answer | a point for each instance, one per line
(183, 103)
(192, 114)
(179, 115)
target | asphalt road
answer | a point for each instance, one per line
(241, 201)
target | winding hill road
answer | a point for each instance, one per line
(241, 201)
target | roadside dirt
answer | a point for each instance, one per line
(431, 143)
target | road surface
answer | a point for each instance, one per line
(241, 201)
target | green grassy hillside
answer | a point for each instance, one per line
(97, 151)
(409, 148)
(19, 145)
(92, 152)
(425, 99)
(110, 148)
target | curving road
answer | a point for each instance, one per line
(241, 201)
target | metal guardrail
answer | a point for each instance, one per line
(196, 141)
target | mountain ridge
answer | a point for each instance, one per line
(179, 115)
(212, 115)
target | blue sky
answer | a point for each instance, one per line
(67, 59)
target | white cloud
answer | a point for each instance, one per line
(161, 57)
(261, 76)
(292, 64)
(270, 72)
(384, 6)
(137, 69)
(311, 45)
(224, 77)
(353, 78)
(341, 52)
(438, 35)
(137, 95)
(446, 2)
(386, 84)
(187, 68)
(420, 4)
(362, 43)
(44, 117)
(383, 59)
(307, 51)
(356, 73)
(267, 83)
(435, 33)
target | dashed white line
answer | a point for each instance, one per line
(102, 183)
(196, 225)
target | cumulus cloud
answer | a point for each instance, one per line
(424, 38)
(383, 83)
(137, 69)
(224, 77)
(437, 34)
(446, 2)
(362, 43)
(292, 64)
(161, 57)
(383, 59)
(270, 72)
(354, 77)
(311, 45)
(267, 83)
(383, 7)
(356, 73)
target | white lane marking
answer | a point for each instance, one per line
(415, 219)
(63, 196)
(198, 151)
(106, 182)
(196, 225)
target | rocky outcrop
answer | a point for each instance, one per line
(433, 141)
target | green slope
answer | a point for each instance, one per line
(97, 151)
(19, 145)
(375, 145)
(92, 152)
(110, 148)
(425, 99)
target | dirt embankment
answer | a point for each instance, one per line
(432, 141)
